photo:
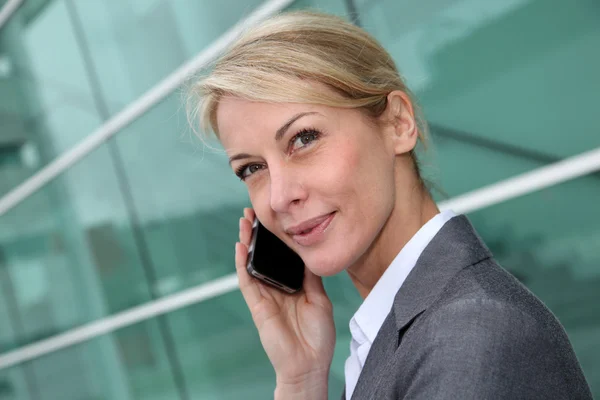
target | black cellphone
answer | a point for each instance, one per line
(272, 261)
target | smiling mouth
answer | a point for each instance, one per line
(313, 232)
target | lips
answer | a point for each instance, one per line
(312, 231)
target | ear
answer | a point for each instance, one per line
(401, 125)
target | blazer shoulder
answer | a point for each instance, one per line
(480, 347)
(486, 329)
(487, 281)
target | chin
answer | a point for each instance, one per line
(324, 265)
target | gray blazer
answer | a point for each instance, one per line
(463, 328)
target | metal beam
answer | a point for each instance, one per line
(8, 10)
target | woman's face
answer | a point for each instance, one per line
(320, 178)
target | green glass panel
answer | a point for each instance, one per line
(517, 78)
(134, 44)
(16, 384)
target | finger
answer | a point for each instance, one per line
(314, 289)
(249, 214)
(312, 283)
(245, 231)
(248, 285)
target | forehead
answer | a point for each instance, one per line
(234, 111)
(239, 119)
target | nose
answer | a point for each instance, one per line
(286, 188)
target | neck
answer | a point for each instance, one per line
(407, 217)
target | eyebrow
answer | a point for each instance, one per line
(281, 131)
(278, 135)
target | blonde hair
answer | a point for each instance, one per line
(275, 61)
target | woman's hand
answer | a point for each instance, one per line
(296, 330)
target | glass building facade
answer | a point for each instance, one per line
(506, 86)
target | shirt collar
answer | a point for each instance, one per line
(375, 308)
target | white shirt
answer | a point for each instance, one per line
(369, 318)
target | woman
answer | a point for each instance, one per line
(319, 125)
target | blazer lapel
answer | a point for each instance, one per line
(385, 344)
(455, 247)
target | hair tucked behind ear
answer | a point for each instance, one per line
(274, 61)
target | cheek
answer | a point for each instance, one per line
(364, 188)
(259, 198)
(356, 171)
(339, 171)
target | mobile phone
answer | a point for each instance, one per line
(272, 261)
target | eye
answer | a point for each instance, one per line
(303, 138)
(245, 171)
